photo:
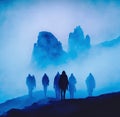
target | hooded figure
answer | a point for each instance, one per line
(63, 84)
(45, 83)
(72, 83)
(31, 84)
(90, 83)
(56, 85)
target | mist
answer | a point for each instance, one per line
(20, 24)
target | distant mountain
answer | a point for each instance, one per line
(77, 42)
(111, 43)
(47, 50)
(107, 105)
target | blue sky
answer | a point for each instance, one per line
(98, 18)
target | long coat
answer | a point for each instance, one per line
(63, 82)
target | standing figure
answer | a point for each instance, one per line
(56, 85)
(72, 83)
(45, 83)
(63, 84)
(31, 84)
(90, 82)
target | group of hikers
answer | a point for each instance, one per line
(61, 84)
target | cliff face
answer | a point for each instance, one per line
(77, 42)
(47, 50)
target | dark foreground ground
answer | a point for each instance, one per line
(107, 105)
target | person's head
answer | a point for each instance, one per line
(33, 76)
(71, 74)
(45, 75)
(57, 73)
(63, 72)
(90, 74)
(29, 75)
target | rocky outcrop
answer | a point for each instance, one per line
(77, 42)
(47, 50)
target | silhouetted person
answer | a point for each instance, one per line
(63, 84)
(72, 83)
(31, 84)
(90, 82)
(45, 83)
(56, 85)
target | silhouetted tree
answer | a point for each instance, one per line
(56, 85)
(45, 83)
(72, 83)
(90, 82)
(63, 84)
(31, 84)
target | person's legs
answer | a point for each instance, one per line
(57, 93)
(45, 90)
(61, 94)
(90, 92)
(64, 94)
(71, 94)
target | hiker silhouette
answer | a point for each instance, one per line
(45, 83)
(31, 84)
(90, 83)
(63, 84)
(72, 87)
(56, 85)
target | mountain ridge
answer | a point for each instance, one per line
(110, 43)
(102, 105)
(48, 49)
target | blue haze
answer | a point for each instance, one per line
(20, 23)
